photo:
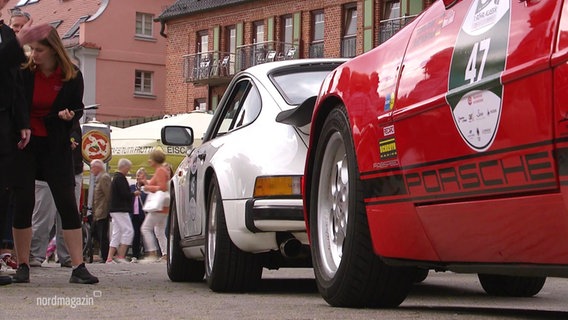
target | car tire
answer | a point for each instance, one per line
(420, 275)
(511, 286)
(348, 273)
(227, 268)
(179, 267)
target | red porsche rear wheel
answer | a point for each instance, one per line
(348, 273)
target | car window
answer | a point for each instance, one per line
(249, 110)
(242, 107)
(296, 87)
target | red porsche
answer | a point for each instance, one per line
(445, 148)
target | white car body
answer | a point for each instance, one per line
(261, 146)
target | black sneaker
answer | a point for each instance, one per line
(22, 274)
(82, 275)
(4, 280)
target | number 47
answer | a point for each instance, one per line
(471, 73)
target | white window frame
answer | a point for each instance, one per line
(22, 3)
(318, 24)
(143, 89)
(145, 19)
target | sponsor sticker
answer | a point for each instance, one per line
(387, 149)
(389, 102)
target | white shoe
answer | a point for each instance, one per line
(147, 260)
(35, 263)
(120, 260)
(6, 269)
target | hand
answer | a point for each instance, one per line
(74, 144)
(136, 193)
(66, 115)
(25, 135)
(30, 33)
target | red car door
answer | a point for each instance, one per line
(476, 82)
(473, 121)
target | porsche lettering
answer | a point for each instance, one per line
(530, 168)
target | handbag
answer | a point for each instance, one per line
(156, 201)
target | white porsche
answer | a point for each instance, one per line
(236, 203)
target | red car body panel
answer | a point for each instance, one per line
(460, 128)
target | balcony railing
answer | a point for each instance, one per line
(216, 67)
(349, 47)
(207, 67)
(391, 26)
(316, 50)
(262, 52)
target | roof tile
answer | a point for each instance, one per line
(187, 7)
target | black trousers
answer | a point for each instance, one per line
(36, 163)
(137, 220)
(100, 233)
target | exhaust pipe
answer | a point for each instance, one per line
(291, 248)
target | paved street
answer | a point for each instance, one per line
(145, 292)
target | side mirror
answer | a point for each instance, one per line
(177, 136)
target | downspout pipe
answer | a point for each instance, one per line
(163, 29)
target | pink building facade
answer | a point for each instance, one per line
(118, 47)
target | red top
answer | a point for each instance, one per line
(45, 91)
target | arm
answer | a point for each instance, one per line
(105, 186)
(73, 109)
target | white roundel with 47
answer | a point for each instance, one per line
(475, 91)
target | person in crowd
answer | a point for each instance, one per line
(44, 219)
(120, 208)
(45, 215)
(101, 201)
(137, 216)
(18, 19)
(171, 171)
(14, 118)
(53, 88)
(154, 226)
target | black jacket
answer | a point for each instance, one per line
(13, 114)
(120, 195)
(59, 131)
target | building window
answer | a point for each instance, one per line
(316, 47)
(231, 39)
(349, 41)
(392, 10)
(144, 24)
(143, 82)
(202, 41)
(227, 65)
(200, 104)
(287, 32)
(393, 19)
(74, 30)
(258, 31)
(56, 23)
(24, 2)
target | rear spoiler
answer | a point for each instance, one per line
(299, 116)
